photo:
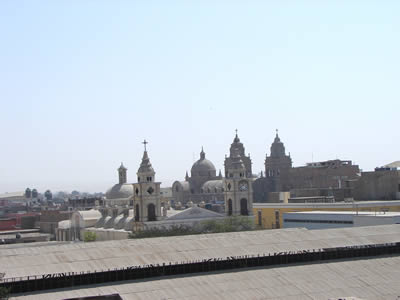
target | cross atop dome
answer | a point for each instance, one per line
(277, 139)
(236, 139)
(145, 144)
(202, 153)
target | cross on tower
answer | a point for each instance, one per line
(145, 143)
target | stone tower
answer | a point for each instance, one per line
(238, 188)
(122, 174)
(277, 165)
(147, 204)
(238, 146)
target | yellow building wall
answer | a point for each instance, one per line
(268, 214)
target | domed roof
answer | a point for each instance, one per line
(213, 186)
(203, 165)
(120, 191)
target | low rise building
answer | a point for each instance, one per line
(270, 215)
(381, 184)
(338, 219)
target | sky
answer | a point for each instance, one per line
(83, 83)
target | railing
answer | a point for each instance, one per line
(63, 280)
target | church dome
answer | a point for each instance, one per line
(120, 191)
(203, 166)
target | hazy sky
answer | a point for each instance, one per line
(82, 83)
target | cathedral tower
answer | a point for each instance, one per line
(238, 146)
(147, 204)
(278, 164)
(238, 188)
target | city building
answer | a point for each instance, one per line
(381, 184)
(326, 178)
(10, 199)
(338, 219)
(270, 215)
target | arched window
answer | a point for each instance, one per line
(243, 207)
(230, 207)
(137, 213)
(151, 212)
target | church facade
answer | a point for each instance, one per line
(205, 186)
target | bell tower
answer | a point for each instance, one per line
(238, 146)
(278, 165)
(238, 188)
(122, 174)
(147, 204)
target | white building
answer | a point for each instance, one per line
(338, 219)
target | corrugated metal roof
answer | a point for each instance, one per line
(376, 278)
(77, 257)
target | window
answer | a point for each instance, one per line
(277, 219)
(318, 221)
(150, 190)
(137, 214)
(151, 212)
(243, 207)
(230, 207)
(259, 218)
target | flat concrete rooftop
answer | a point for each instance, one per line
(376, 278)
(96, 256)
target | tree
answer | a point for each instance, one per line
(89, 236)
(48, 195)
(35, 193)
(28, 193)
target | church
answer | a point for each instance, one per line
(205, 186)
(140, 206)
(233, 192)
